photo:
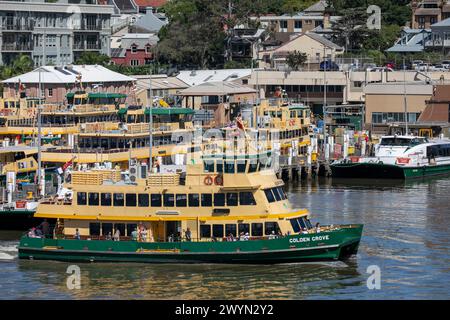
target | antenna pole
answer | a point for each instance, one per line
(150, 123)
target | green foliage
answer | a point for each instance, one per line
(21, 64)
(237, 64)
(296, 59)
(90, 58)
(294, 6)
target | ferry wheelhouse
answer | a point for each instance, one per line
(221, 210)
(398, 157)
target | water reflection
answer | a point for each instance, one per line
(136, 281)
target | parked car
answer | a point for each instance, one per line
(380, 69)
(390, 65)
(416, 63)
(437, 67)
(328, 66)
(422, 67)
(446, 64)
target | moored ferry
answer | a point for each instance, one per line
(398, 157)
(221, 210)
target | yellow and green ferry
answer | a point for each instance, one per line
(222, 209)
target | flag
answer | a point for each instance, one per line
(239, 123)
(68, 164)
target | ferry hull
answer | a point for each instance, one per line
(385, 171)
(332, 245)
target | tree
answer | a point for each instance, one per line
(294, 6)
(296, 59)
(90, 58)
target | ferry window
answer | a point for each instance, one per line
(269, 195)
(308, 223)
(169, 200)
(217, 230)
(257, 229)
(156, 200)
(295, 225)
(206, 200)
(81, 198)
(205, 231)
(94, 229)
(181, 200)
(243, 228)
(230, 229)
(208, 166)
(194, 200)
(253, 167)
(107, 228)
(232, 199)
(301, 223)
(271, 226)
(93, 199)
(246, 199)
(130, 199)
(229, 166)
(219, 199)
(219, 166)
(105, 199)
(143, 200)
(277, 194)
(118, 199)
(241, 166)
(120, 227)
(130, 228)
(282, 193)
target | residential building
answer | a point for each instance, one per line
(148, 22)
(135, 6)
(439, 39)
(428, 12)
(142, 5)
(135, 49)
(54, 33)
(246, 43)
(315, 46)
(56, 82)
(316, 16)
(411, 41)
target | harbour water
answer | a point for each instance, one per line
(406, 235)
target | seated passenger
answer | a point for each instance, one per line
(247, 236)
(305, 231)
(77, 235)
(134, 235)
(230, 237)
(241, 236)
(117, 235)
(272, 235)
(31, 233)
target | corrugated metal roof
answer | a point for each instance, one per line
(216, 88)
(196, 77)
(66, 74)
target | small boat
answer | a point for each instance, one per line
(222, 209)
(398, 157)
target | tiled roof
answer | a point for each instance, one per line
(150, 3)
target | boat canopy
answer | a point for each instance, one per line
(169, 111)
(97, 95)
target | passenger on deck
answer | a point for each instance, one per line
(45, 227)
(188, 234)
(134, 235)
(31, 233)
(230, 237)
(272, 235)
(246, 236)
(77, 235)
(305, 231)
(144, 234)
(317, 227)
(108, 236)
(117, 235)
(241, 236)
(38, 232)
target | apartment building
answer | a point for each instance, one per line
(54, 33)
(428, 12)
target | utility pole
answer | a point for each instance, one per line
(150, 123)
(39, 182)
(404, 97)
(324, 101)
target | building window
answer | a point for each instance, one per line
(147, 49)
(433, 20)
(134, 62)
(133, 49)
(50, 92)
(298, 24)
(283, 24)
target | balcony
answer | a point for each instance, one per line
(437, 43)
(17, 47)
(88, 46)
(17, 25)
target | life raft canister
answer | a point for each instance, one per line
(218, 180)
(208, 180)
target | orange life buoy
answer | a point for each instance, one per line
(218, 180)
(208, 180)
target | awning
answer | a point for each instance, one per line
(169, 111)
(122, 110)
